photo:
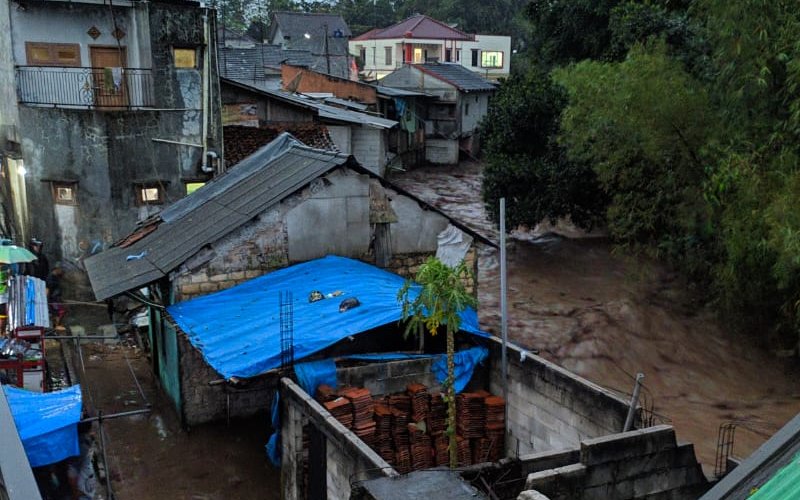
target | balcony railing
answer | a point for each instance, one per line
(100, 88)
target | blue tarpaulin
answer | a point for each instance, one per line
(47, 423)
(312, 374)
(274, 443)
(465, 362)
(238, 331)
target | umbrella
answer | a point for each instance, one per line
(12, 254)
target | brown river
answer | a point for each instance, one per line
(607, 316)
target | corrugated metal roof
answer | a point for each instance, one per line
(296, 24)
(396, 92)
(250, 63)
(418, 26)
(427, 484)
(219, 207)
(458, 76)
(784, 484)
(323, 110)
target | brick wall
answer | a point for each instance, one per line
(550, 408)
(305, 80)
(202, 402)
(646, 463)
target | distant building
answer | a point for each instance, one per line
(421, 39)
(461, 100)
(324, 35)
(107, 114)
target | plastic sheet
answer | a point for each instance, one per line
(387, 356)
(47, 423)
(238, 330)
(465, 362)
(314, 373)
(274, 443)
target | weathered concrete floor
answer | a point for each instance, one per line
(607, 316)
(151, 457)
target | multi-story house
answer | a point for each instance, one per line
(108, 112)
(421, 39)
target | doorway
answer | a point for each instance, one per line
(109, 80)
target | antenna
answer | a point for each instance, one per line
(287, 332)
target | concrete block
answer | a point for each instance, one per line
(252, 273)
(208, 287)
(532, 495)
(627, 445)
(544, 479)
(237, 275)
(190, 289)
(218, 277)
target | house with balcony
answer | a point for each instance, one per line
(108, 113)
(421, 39)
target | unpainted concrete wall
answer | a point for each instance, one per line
(645, 463)
(369, 146)
(347, 457)
(340, 135)
(550, 408)
(441, 151)
(8, 94)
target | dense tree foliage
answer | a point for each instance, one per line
(524, 162)
(688, 112)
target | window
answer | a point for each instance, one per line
(458, 55)
(65, 193)
(448, 54)
(185, 58)
(151, 193)
(474, 57)
(388, 55)
(492, 59)
(193, 186)
(53, 54)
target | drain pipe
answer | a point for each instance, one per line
(637, 387)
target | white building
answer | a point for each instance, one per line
(420, 39)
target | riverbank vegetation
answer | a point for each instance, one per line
(675, 125)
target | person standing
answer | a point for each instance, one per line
(39, 268)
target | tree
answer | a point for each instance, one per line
(645, 125)
(442, 296)
(526, 165)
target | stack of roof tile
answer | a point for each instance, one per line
(470, 415)
(363, 410)
(437, 415)
(440, 447)
(464, 451)
(402, 460)
(495, 426)
(481, 449)
(325, 393)
(383, 432)
(420, 402)
(400, 401)
(399, 428)
(342, 410)
(421, 457)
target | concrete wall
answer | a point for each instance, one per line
(474, 107)
(441, 151)
(201, 402)
(494, 43)
(347, 458)
(108, 152)
(304, 80)
(550, 408)
(646, 463)
(8, 95)
(341, 137)
(369, 146)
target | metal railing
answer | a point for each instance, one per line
(100, 88)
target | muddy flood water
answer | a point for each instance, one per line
(606, 317)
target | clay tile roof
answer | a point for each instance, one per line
(241, 142)
(418, 26)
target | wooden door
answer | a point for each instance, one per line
(108, 75)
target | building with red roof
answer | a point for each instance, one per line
(421, 39)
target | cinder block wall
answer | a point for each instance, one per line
(347, 457)
(387, 378)
(645, 463)
(206, 403)
(550, 408)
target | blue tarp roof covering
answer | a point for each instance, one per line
(47, 423)
(238, 331)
